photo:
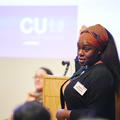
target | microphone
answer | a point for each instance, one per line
(66, 63)
(67, 67)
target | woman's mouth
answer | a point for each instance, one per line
(81, 60)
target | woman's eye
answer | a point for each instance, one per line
(87, 49)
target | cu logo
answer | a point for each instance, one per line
(30, 25)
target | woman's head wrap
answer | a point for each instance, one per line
(95, 35)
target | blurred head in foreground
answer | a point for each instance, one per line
(31, 111)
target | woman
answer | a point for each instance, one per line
(38, 83)
(90, 91)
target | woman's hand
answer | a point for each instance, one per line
(63, 114)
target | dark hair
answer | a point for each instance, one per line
(48, 71)
(31, 111)
(111, 59)
(110, 55)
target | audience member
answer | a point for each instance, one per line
(31, 111)
(38, 83)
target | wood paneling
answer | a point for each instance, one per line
(51, 94)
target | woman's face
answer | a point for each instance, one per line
(87, 53)
(39, 79)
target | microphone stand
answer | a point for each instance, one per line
(66, 69)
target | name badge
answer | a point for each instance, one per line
(80, 88)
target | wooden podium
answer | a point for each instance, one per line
(51, 93)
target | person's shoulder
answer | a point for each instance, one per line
(101, 69)
(101, 74)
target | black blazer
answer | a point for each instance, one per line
(98, 101)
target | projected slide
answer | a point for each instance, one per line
(38, 31)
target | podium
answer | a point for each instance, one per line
(51, 93)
